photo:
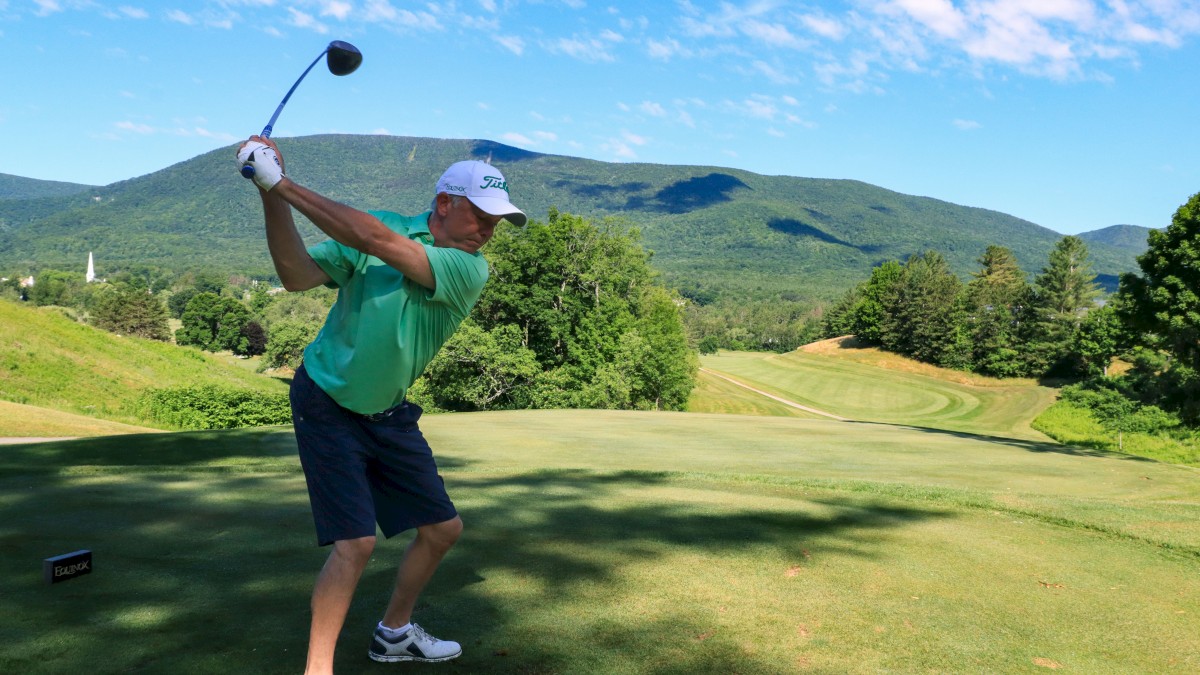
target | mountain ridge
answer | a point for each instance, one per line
(723, 230)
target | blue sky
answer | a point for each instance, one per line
(1073, 114)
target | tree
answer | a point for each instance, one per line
(871, 309)
(584, 301)
(213, 323)
(997, 300)
(1100, 338)
(130, 310)
(52, 287)
(481, 370)
(1064, 291)
(286, 342)
(255, 341)
(1163, 303)
(925, 314)
(1161, 307)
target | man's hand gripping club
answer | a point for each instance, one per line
(263, 157)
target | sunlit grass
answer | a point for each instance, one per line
(623, 542)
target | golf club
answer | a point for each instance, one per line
(342, 58)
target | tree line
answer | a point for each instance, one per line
(1058, 326)
(574, 316)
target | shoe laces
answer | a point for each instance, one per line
(420, 634)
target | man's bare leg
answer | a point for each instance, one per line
(331, 600)
(420, 561)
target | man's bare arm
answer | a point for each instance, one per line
(295, 267)
(358, 230)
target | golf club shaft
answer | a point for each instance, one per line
(266, 132)
(247, 170)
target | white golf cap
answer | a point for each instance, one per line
(484, 185)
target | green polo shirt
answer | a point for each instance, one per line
(384, 329)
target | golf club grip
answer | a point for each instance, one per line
(247, 170)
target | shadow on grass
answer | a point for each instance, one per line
(197, 571)
(1030, 446)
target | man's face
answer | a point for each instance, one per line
(464, 225)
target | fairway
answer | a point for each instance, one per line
(623, 542)
(864, 392)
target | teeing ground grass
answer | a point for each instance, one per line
(623, 542)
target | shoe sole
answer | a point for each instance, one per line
(384, 658)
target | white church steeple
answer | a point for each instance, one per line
(91, 272)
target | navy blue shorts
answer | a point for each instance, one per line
(365, 470)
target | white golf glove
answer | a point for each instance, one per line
(268, 170)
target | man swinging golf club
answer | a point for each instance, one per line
(404, 285)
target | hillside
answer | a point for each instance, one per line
(50, 361)
(719, 229)
(16, 187)
(1128, 237)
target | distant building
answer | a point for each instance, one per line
(27, 282)
(91, 271)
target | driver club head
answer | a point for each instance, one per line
(342, 58)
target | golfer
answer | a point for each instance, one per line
(404, 285)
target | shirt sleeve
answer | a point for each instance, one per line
(338, 261)
(458, 277)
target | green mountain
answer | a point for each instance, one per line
(712, 229)
(1126, 237)
(16, 187)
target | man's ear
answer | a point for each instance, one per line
(443, 204)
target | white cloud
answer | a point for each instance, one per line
(653, 109)
(135, 127)
(587, 49)
(772, 73)
(382, 12)
(686, 120)
(46, 7)
(546, 135)
(222, 136)
(824, 26)
(966, 125)
(338, 10)
(611, 36)
(133, 12)
(771, 34)
(305, 20)
(633, 138)
(179, 16)
(665, 49)
(512, 43)
(488, 5)
(518, 139)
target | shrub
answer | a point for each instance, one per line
(214, 407)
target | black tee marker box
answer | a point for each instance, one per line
(67, 566)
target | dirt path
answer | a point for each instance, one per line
(784, 401)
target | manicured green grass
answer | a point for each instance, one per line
(48, 360)
(899, 392)
(623, 542)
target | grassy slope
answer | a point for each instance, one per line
(18, 420)
(49, 361)
(870, 385)
(619, 542)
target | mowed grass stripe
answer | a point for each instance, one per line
(869, 393)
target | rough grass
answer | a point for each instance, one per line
(1070, 424)
(18, 420)
(610, 542)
